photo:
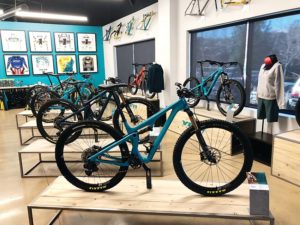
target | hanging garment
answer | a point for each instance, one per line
(271, 84)
(155, 78)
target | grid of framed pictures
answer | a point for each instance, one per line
(42, 60)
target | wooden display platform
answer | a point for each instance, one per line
(32, 127)
(286, 157)
(37, 160)
(24, 114)
(130, 196)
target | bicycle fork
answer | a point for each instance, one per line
(205, 153)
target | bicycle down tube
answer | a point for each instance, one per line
(133, 134)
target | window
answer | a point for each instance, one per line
(222, 44)
(139, 52)
(280, 36)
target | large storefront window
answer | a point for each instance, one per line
(280, 36)
(222, 44)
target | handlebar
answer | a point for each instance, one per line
(142, 64)
(211, 62)
(58, 75)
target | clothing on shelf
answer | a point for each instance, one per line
(155, 78)
(271, 84)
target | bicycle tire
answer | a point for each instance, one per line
(297, 111)
(132, 86)
(241, 96)
(82, 180)
(208, 186)
(49, 133)
(190, 83)
(142, 109)
(148, 94)
(39, 99)
(110, 107)
(33, 91)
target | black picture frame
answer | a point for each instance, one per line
(31, 48)
(78, 44)
(57, 63)
(32, 66)
(17, 49)
(80, 66)
(64, 51)
(16, 75)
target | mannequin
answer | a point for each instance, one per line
(270, 89)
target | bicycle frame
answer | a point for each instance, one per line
(206, 90)
(133, 134)
(140, 76)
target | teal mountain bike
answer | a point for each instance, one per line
(202, 158)
(230, 94)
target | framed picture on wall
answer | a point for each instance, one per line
(40, 41)
(16, 65)
(66, 63)
(64, 42)
(42, 64)
(13, 41)
(88, 63)
(86, 42)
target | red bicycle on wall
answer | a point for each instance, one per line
(139, 80)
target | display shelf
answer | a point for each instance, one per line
(24, 114)
(286, 157)
(32, 127)
(37, 160)
(166, 198)
(262, 147)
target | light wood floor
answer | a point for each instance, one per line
(16, 193)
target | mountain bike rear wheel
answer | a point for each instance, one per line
(41, 98)
(297, 111)
(140, 108)
(76, 166)
(231, 92)
(223, 168)
(49, 117)
(132, 86)
(189, 83)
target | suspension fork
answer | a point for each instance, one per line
(198, 131)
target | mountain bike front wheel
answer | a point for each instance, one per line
(231, 92)
(190, 83)
(73, 159)
(219, 170)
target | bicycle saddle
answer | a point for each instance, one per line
(112, 86)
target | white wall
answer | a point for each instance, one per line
(171, 28)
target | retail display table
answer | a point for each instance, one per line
(286, 156)
(37, 160)
(167, 198)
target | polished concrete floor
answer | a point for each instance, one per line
(16, 193)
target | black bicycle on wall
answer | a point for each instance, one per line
(57, 114)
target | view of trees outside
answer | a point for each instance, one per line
(280, 36)
(225, 44)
